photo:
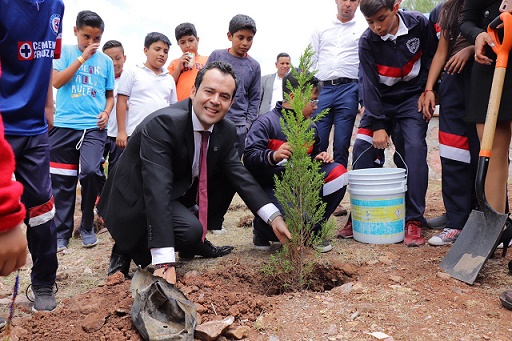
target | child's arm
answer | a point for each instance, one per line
(121, 108)
(372, 95)
(105, 114)
(61, 78)
(427, 102)
(254, 98)
(48, 109)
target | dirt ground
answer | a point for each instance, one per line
(392, 289)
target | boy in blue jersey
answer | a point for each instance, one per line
(395, 54)
(84, 77)
(30, 35)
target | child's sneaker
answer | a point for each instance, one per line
(346, 231)
(323, 246)
(413, 234)
(89, 238)
(447, 237)
(260, 243)
(44, 298)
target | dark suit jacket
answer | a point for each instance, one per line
(267, 88)
(156, 168)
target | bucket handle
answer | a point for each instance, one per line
(396, 151)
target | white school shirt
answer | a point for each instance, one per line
(336, 47)
(148, 92)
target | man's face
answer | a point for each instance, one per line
(383, 22)
(283, 66)
(211, 101)
(241, 42)
(346, 9)
(156, 55)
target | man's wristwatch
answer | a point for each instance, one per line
(273, 216)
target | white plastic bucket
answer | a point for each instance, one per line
(377, 200)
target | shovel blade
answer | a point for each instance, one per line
(474, 245)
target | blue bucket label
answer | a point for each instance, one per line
(378, 216)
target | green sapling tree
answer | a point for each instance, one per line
(298, 188)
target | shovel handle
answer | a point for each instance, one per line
(502, 50)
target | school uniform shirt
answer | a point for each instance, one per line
(336, 47)
(147, 92)
(25, 51)
(80, 101)
(112, 119)
(395, 68)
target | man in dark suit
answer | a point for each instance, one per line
(272, 85)
(149, 195)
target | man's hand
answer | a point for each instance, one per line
(281, 230)
(168, 274)
(324, 157)
(283, 152)
(121, 139)
(102, 120)
(13, 250)
(381, 139)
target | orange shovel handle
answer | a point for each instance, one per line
(502, 49)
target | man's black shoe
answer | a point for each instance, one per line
(506, 299)
(206, 250)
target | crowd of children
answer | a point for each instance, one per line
(100, 102)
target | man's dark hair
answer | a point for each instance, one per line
(223, 67)
(153, 37)
(241, 22)
(185, 29)
(111, 44)
(282, 54)
(370, 7)
(89, 18)
(294, 82)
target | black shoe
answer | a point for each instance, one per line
(506, 237)
(119, 262)
(206, 250)
(506, 299)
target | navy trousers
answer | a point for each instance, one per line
(32, 154)
(407, 128)
(458, 149)
(70, 148)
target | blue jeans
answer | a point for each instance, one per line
(342, 101)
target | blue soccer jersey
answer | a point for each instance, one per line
(25, 51)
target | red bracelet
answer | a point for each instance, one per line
(425, 92)
(165, 266)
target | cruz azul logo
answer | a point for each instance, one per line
(29, 50)
(55, 23)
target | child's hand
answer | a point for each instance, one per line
(428, 105)
(283, 152)
(13, 250)
(381, 139)
(102, 120)
(457, 62)
(90, 50)
(121, 139)
(184, 60)
(324, 157)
